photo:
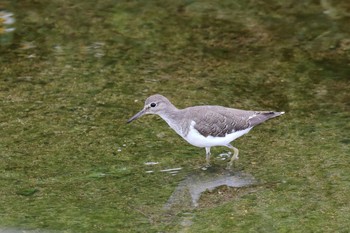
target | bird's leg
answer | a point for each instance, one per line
(207, 156)
(234, 156)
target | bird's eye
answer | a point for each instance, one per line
(153, 105)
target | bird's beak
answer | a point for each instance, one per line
(137, 115)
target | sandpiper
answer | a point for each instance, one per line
(206, 126)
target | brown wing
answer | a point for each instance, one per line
(219, 121)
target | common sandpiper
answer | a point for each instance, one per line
(206, 126)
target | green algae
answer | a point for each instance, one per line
(73, 72)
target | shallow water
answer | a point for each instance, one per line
(73, 72)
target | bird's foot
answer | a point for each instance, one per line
(233, 158)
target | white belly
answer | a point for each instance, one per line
(196, 139)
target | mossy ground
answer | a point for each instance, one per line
(73, 72)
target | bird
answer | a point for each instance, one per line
(206, 126)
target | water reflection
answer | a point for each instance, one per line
(6, 21)
(172, 171)
(6, 26)
(189, 191)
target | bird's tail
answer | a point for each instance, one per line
(260, 117)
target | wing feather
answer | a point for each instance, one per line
(218, 121)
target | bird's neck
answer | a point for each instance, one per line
(174, 119)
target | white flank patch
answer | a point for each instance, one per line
(196, 139)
